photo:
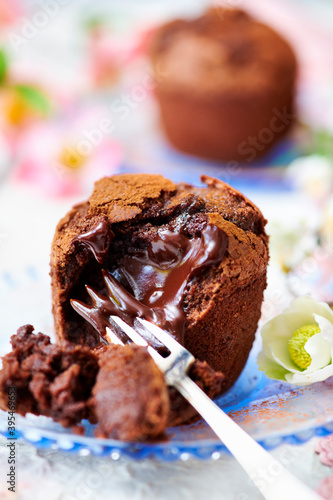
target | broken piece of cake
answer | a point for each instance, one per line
(118, 387)
(130, 397)
(51, 380)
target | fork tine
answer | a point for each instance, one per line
(133, 335)
(137, 339)
(161, 335)
(112, 337)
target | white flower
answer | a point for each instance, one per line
(312, 175)
(298, 344)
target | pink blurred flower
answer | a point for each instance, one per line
(326, 488)
(10, 12)
(324, 447)
(65, 156)
(109, 53)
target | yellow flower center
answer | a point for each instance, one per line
(71, 158)
(298, 354)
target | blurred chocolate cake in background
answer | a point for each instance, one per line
(225, 84)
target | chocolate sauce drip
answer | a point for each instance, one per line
(119, 302)
(97, 240)
(157, 278)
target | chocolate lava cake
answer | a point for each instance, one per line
(194, 259)
(225, 84)
(191, 259)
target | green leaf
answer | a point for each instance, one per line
(323, 142)
(35, 98)
(94, 22)
(3, 66)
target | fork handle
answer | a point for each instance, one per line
(273, 480)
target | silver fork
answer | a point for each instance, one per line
(273, 480)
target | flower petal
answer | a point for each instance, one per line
(309, 305)
(326, 328)
(310, 378)
(280, 354)
(320, 351)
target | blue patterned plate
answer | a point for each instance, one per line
(271, 412)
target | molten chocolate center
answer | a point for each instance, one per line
(156, 277)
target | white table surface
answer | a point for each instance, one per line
(55, 475)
